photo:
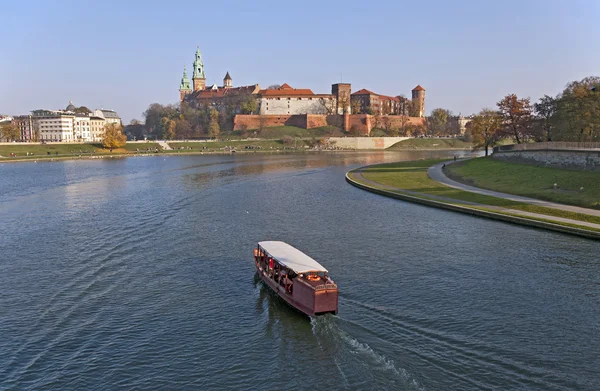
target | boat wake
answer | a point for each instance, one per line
(360, 366)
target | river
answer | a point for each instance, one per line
(137, 274)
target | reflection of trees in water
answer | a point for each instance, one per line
(256, 165)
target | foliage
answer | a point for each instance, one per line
(355, 107)
(168, 128)
(545, 109)
(516, 115)
(82, 110)
(113, 136)
(577, 116)
(9, 132)
(249, 105)
(485, 129)
(437, 121)
(287, 139)
(213, 128)
(274, 87)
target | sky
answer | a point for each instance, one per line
(126, 55)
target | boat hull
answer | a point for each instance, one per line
(303, 297)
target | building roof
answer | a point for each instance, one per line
(110, 114)
(364, 91)
(418, 88)
(287, 90)
(227, 77)
(221, 92)
(291, 257)
(70, 107)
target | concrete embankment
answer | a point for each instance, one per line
(472, 211)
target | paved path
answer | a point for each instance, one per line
(437, 174)
(359, 176)
(165, 146)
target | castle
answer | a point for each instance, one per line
(288, 101)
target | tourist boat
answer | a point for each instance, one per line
(297, 278)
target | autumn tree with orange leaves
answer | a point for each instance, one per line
(516, 117)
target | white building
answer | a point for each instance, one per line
(288, 100)
(96, 128)
(110, 116)
(53, 125)
(82, 128)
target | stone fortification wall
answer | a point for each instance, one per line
(361, 124)
(570, 156)
(365, 142)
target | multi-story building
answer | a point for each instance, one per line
(54, 125)
(26, 127)
(110, 116)
(288, 100)
(82, 128)
(97, 128)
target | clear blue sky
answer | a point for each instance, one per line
(125, 55)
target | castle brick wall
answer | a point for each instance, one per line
(362, 124)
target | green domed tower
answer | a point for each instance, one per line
(199, 78)
(184, 87)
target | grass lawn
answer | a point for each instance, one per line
(41, 150)
(413, 176)
(530, 181)
(431, 143)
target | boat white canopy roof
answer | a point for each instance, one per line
(291, 257)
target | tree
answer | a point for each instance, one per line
(249, 105)
(545, 109)
(183, 129)
(262, 122)
(10, 132)
(355, 107)
(516, 116)
(82, 110)
(168, 128)
(113, 136)
(485, 129)
(274, 87)
(577, 116)
(437, 121)
(213, 127)
(329, 106)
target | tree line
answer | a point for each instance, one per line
(196, 119)
(572, 115)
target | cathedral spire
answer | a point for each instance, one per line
(198, 66)
(185, 82)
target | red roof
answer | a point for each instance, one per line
(418, 88)
(221, 92)
(287, 90)
(364, 92)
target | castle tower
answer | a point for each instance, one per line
(227, 81)
(418, 99)
(184, 86)
(199, 78)
(342, 93)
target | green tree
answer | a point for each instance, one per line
(82, 110)
(214, 130)
(113, 136)
(545, 109)
(516, 116)
(249, 105)
(183, 129)
(437, 121)
(10, 132)
(485, 129)
(168, 128)
(577, 116)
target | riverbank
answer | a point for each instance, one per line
(579, 188)
(409, 181)
(431, 144)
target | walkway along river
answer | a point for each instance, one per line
(138, 274)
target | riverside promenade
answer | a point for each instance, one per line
(549, 216)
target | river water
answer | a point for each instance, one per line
(137, 274)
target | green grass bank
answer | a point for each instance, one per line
(412, 178)
(530, 181)
(431, 143)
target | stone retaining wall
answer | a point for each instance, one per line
(365, 142)
(565, 159)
